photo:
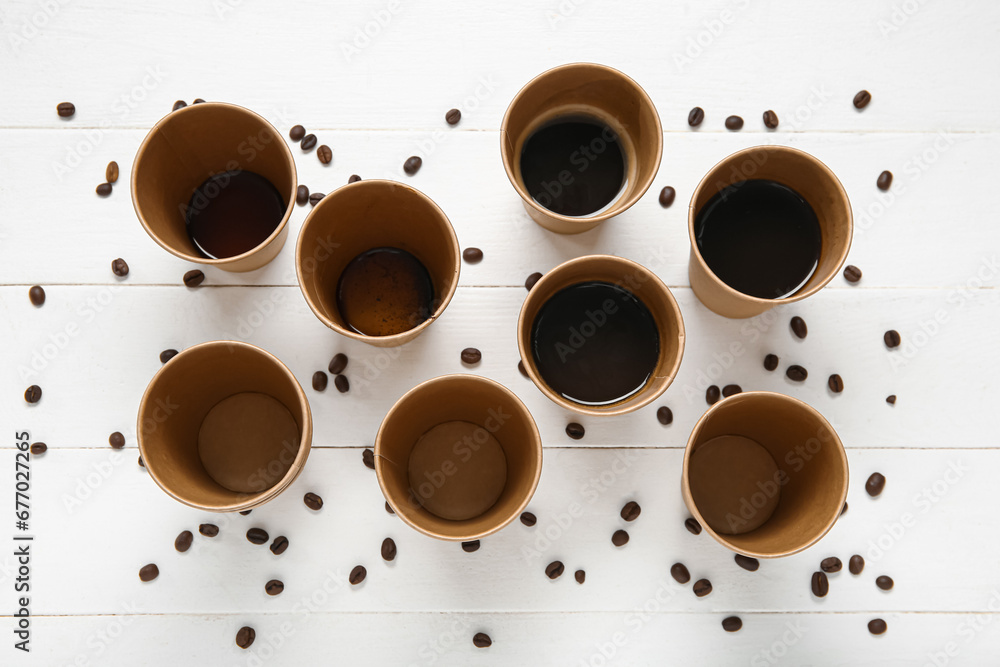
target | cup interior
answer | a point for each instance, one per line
(464, 468)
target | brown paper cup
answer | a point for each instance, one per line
(806, 175)
(637, 279)
(187, 147)
(458, 457)
(764, 474)
(594, 90)
(224, 427)
(366, 215)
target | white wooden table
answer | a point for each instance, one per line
(373, 80)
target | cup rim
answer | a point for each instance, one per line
(446, 379)
(723, 539)
(305, 437)
(208, 261)
(528, 360)
(391, 339)
(586, 222)
(801, 294)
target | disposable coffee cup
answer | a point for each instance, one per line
(373, 214)
(633, 277)
(458, 457)
(805, 174)
(596, 91)
(189, 146)
(764, 474)
(224, 427)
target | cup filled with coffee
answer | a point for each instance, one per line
(458, 457)
(764, 474)
(768, 225)
(601, 335)
(580, 144)
(377, 261)
(224, 427)
(215, 184)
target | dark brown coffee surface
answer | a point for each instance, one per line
(384, 291)
(232, 213)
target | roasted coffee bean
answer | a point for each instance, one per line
(877, 626)
(193, 278)
(692, 526)
(167, 355)
(770, 119)
(367, 456)
(308, 142)
(183, 541)
(179, 104)
(799, 327)
(119, 267)
(116, 440)
(36, 294)
(554, 569)
(111, 172)
(580, 576)
(856, 565)
(732, 624)
(891, 399)
(65, 109)
(731, 390)
(313, 501)
(38, 448)
(875, 484)
(342, 384)
(471, 355)
(713, 394)
(104, 189)
(575, 430)
(619, 538)
(257, 536)
(770, 362)
(338, 364)
(197, 100)
(302, 195)
(680, 573)
(412, 165)
(208, 529)
(148, 572)
(388, 549)
(831, 564)
(695, 116)
(274, 587)
(481, 639)
(472, 255)
(520, 369)
(835, 383)
(884, 582)
(884, 181)
(530, 281)
(33, 394)
(702, 587)
(245, 512)
(528, 519)
(861, 99)
(667, 196)
(734, 123)
(353, 178)
(664, 415)
(892, 338)
(452, 116)
(315, 197)
(746, 562)
(319, 381)
(141, 464)
(279, 545)
(843, 510)
(325, 154)
(796, 373)
(296, 133)
(357, 575)
(245, 637)
(820, 584)
(631, 511)
(471, 546)
(852, 274)
(388, 508)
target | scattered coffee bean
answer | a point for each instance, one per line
(664, 415)
(892, 338)
(388, 549)
(208, 529)
(471, 546)
(179, 104)
(770, 362)
(884, 181)
(472, 255)
(183, 541)
(325, 154)
(731, 390)
(861, 99)
(148, 572)
(835, 383)
(702, 587)
(843, 510)
(38, 448)
(412, 165)
(667, 196)
(575, 430)
(245, 637)
(877, 626)
(884, 582)
(119, 267)
(831, 564)
(530, 281)
(104, 189)
(856, 565)
(302, 195)
(274, 587)
(315, 197)
(820, 584)
(680, 573)
(33, 394)
(528, 519)
(732, 624)
(388, 508)
(116, 440)
(308, 143)
(197, 100)
(770, 119)
(338, 364)
(746, 562)
(734, 123)
(520, 369)
(367, 456)
(712, 395)
(141, 464)
(245, 512)
(319, 381)
(619, 538)
(695, 116)
(452, 116)
(296, 133)
(554, 569)
(257, 536)
(111, 172)
(875, 484)
(891, 399)
(471, 355)
(852, 274)
(65, 109)
(631, 511)
(353, 178)
(167, 355)
(357, 575)
(481, 639)
(279, 546)
(193, 278)
(342, 384)
(692, 526)
(313, 501)
(36, 294)
(799, 327)
(796, 373)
